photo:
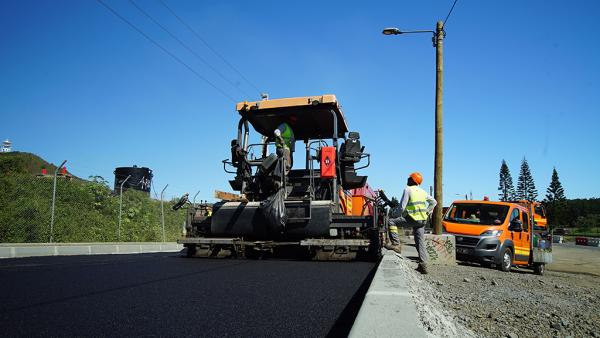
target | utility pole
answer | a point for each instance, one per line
(438, 42)
(439, 141)
(438, 38)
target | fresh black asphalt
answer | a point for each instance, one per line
(167, 295)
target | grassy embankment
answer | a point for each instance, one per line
(85, 211)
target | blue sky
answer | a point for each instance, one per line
(520, 81)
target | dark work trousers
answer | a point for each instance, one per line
(287, 157)
(418, 233)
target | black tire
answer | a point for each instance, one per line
(506, 260)
(191, 251)
(375, 245)
(251, 253)
(539, 268)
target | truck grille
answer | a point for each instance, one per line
(467, 241)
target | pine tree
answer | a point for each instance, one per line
(506, 188)
(555, 190)
(526, 187)
(555, 200)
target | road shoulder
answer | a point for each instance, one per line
(17, 250)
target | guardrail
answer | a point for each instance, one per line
(593, 242)
(588, 241)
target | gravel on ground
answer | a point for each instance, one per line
(469, 300)
(436, 320)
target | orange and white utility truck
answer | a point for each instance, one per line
(500, 233)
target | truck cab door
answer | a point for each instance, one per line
(519, 231)
(515, 228)
(527, 228)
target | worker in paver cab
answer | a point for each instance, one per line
(414, 209)
(285, 141)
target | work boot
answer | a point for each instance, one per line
(422, 268)
(395, 247)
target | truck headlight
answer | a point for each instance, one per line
(496, 233)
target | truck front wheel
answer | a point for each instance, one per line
(506, 260)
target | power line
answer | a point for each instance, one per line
(450, 12)
(165, 50)
(186, 46)
(208, 46)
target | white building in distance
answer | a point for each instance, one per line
(6, 147)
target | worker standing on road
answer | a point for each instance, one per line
(414, 210)
(285, 141)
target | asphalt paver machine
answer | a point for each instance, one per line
(328, 213)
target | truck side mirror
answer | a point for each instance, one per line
(516, 225)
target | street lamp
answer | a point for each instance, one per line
(438, 37)
(396, 31)
(391, 31)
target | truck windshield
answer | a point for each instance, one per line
(477, 213)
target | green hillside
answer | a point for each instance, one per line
(85, 211)
(23, 163)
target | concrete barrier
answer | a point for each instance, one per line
(388, 309)
(68, 249)
(441, 249)
(593, 242)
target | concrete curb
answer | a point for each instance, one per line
(388, 309)
(16, 250)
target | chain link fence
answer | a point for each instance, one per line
(84, 211)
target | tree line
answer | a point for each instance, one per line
(560, 211)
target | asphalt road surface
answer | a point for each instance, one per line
(167, 295)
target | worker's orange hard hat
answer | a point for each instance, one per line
(416, 177)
